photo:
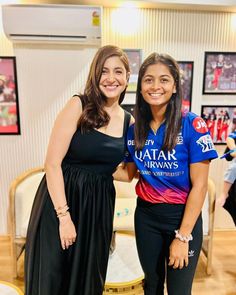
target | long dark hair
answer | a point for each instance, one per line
(143, 114)
(93, 101)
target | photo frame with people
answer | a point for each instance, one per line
(9, 106)
(219, 73)
(220, 120)
(186, 73)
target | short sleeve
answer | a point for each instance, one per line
(201, 146)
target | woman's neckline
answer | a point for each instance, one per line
(155, 130)
(107, 134)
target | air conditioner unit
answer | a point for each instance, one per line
(53, 23)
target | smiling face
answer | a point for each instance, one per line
(114, 78)
(157, 85)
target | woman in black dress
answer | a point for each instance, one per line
(70, 227)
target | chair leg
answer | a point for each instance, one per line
(209, 256)
(14, 260)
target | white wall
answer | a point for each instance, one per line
(185, 35)
(49, 75)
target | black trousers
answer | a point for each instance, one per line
(154, 227)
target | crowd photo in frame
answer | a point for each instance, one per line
(219, 73)
(9, 106)
(135, 60)
(186, 74)
(220, 120)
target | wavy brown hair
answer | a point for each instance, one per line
(93, 100)
(143, 114)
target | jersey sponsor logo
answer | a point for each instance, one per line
(206, 143)
(157, 159)
(147, 142)
(155, 154)
(200, 125)
(179, 139)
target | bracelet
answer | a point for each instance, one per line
(62, 211)
(182, 238)
(61, 207)
(62, 214)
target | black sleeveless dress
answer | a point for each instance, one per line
(80, 270)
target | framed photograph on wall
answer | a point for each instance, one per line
(135, 60)
(9, 106)
(220, 120)
(219, 73)
(186, 73)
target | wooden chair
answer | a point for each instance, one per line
(24, 187)
(208, 236)
(21, 196)
(125, 207)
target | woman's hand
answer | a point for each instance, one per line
(67, 231)
(178, 254)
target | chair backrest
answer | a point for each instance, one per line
(22, 193)
(209, 208)
(126, 190)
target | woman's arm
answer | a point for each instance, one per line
(231, 145)
(125, 172)
(199, 180)
(62, 132)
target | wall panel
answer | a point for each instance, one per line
(49, 75)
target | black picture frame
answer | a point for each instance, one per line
(9, 104)
(220, 120)
(135, 61)
(219, 75)
(186, 74)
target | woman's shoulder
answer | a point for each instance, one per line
(78, 98)
(131, 128)
(233, 134)
(193, 121)
(73, 108)
(191, 117)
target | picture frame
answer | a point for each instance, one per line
(135, 60)
(186, 73)
(219, 73)
(9, 105)
(220, 120)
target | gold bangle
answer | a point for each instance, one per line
(60, 207)
(66, 208)
(62, 214)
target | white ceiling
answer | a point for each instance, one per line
(214, 5)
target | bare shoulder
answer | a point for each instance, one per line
(73, 107)
(68, 117)
(74, 102)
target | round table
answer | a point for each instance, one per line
(9, 289)
(124, 273)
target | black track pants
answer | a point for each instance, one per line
(154, 227)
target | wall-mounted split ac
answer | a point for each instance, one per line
(79, 24)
